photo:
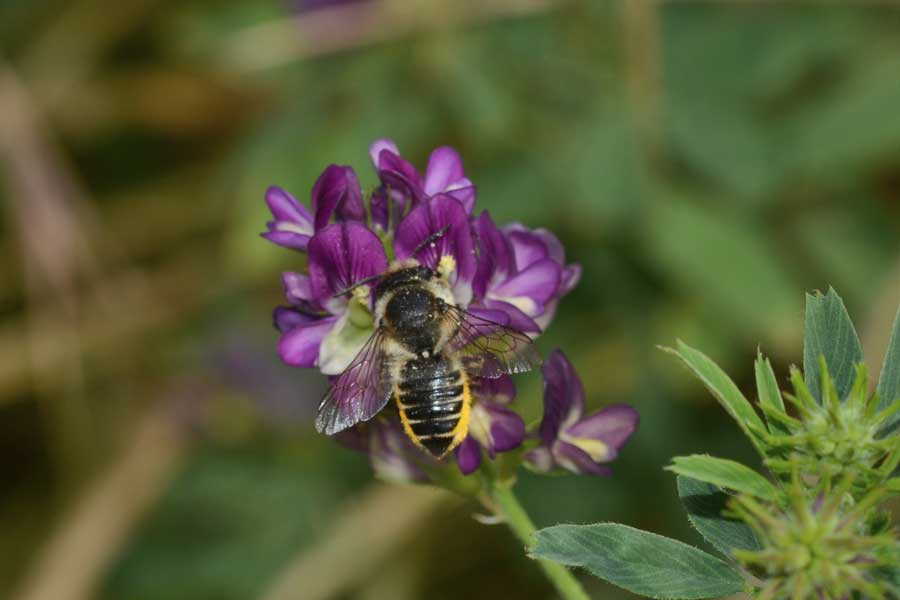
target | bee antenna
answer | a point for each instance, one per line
(356, 285)
(431, 239)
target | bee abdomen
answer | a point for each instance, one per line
(433, 400)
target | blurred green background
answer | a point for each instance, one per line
(706, 162)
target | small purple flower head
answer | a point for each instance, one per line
(581, 444)
(493, 427)
(512, 275)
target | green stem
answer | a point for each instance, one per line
(508, 507)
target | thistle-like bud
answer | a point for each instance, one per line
(825, 547)
(839, 439)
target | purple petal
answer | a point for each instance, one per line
(399, 175)
(297, 288)
(381, 203)
(379, 206)
(563, 396)
(515, 318)
(576, 460)
(341, 255)
(285, 318)
(444, 169)
(287, 239)
(495, 260)
(613, 426)
(501, 390)
(468, 456)
(537, 284)
(337, 192)
(507, 429)
(570, 277)
(285, 207)
(528, 248)
(430, 217)
(545, 318)
(299, 346)
(379, 145)
(554, 246)
(490, 314)
(465, 193)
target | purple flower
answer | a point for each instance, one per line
(568, 438)
(510, 275)
(392, 455)
(521, 272)
(492, 426)
(321, 329)
(293, 224)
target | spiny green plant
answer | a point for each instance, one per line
(812, 525)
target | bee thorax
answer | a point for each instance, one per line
(412, 316)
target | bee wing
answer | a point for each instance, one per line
(490, 349)
(360, 392)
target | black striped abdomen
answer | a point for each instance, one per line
(433, 398)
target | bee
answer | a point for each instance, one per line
(425, 353)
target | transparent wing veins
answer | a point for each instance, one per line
(489, 349)
(360, 392)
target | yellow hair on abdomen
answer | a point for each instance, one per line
(462, 427)
(404, 420)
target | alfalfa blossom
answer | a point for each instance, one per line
(512, 275)
(569, 439)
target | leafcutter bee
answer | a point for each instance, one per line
(424, 353)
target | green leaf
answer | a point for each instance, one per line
(704, 504)
(725, 474)
(770, 399)
(766, 384)
(889, 380)
(641, 562)
(829, 333)
(723, 388)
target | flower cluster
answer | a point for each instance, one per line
(511, 275)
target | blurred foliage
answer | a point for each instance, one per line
(707, 163)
